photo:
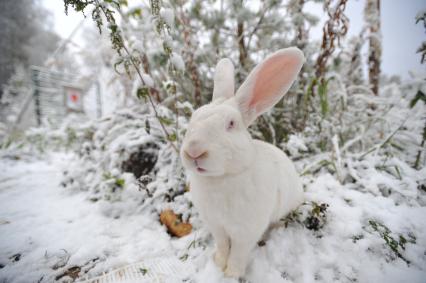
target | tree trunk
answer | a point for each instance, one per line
(189, 59)
(242, 49)
(372, 17)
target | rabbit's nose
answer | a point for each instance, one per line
(196, 154)
(194, 149)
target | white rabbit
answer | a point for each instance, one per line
(240, 185)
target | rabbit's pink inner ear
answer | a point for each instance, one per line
(274, 78)
(268, 82)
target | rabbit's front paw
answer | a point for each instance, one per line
(234, 271)
(220, 259)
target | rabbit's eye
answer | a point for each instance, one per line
(231, 125)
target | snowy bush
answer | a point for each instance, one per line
(126, 153)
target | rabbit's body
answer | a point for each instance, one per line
(241, 206)
(250, 198)
(240, 185)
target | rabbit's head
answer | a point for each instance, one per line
(217, 141)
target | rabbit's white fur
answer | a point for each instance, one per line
(240, 185)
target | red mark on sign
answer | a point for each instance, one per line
(74, 97)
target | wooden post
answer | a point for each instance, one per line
(35, 79)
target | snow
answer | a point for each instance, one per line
(67, 202)
(295, 144)
(148, 80)
(70, 198)
(54, 229)
(168, 16)
(177, 61)
(46, 224)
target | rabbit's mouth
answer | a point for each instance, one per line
(201, 170)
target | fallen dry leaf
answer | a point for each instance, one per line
(174, 224)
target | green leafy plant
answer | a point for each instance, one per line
(323, 96)
(120, 182)
(143, 271)
(312, 216)
(419, 96)
(396, 245)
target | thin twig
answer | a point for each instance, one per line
(379, 146)
(256, 27)
(135, 65)
(150, 99)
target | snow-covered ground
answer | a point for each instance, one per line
(45, 229)
(362, 236)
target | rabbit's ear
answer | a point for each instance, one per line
(268, 82)
(223, 80)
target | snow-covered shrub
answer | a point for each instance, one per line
(349, 122)
(128, 165)
(73, 132)
(311, 215)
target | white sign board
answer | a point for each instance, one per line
(74, 98)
